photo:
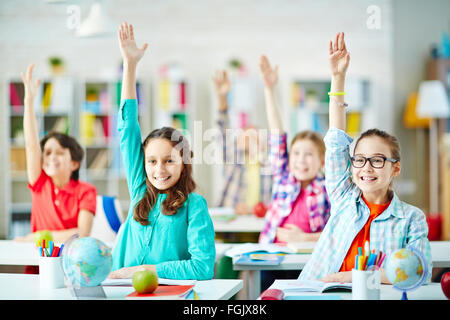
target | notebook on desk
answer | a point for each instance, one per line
(301, 247)
(163, 292)
(260, 258)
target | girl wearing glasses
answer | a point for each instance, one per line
(363, 205)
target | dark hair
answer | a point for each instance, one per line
(178, 193)
(312, 136)
(389, 139)
(67, 142)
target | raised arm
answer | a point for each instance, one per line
(223, 86)
(128, 125)
(131, 55)
(270, 78)
(32, 147)
(339, 60)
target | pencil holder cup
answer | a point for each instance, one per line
(366, 284)
(51, 274)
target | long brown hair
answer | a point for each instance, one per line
(178, 193)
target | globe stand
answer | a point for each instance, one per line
(404, 296)
(80, 293)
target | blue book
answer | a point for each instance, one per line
(260, 258)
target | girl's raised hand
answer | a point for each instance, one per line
(130, 52)
(221, 82)
(339, 56)
(31, 88)
(269, 75)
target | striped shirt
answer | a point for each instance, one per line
(235, 171)
(400, 225)
(286, 189)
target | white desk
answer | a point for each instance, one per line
(241, 223)
(432, 291)
(26, 287)
(440, 254)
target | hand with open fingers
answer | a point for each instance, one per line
(130, 52)
(31, 87)
(221, 82)
(269, 74)
(339, 56)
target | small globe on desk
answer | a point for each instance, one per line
(87, 262)
(406, 269)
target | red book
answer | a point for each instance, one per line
(163, 292)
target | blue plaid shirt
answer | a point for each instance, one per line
(400, 225)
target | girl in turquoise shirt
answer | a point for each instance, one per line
(168, 228)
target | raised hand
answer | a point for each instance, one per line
(269, 75)
(339, 56)
(130, 52)
(31, 87)
(221, 82)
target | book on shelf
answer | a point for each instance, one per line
(61, 99)
(47, 97)
(16, 95)
(87, 132)
(18, 159)
(101, 160)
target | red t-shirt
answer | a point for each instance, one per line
(299, 215)
(58, 209)
(362, 236)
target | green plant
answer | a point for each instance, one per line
(55, 61)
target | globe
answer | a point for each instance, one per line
(406, 269)
(87, 262)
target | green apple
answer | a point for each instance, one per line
(42, 235)
(145, 281)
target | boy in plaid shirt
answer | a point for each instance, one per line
(363, 206)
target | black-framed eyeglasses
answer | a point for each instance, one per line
(376, 162)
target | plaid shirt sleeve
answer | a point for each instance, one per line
(337, 165)
(227, 143)
(278, 156)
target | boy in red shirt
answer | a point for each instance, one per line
(60, 202)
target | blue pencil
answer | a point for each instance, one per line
(60, 249)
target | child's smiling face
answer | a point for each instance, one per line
(56, 160)
(163, 163)
(374, 182)
(305, 160)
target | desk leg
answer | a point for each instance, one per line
(253, 278)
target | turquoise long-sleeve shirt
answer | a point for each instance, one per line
(181, 245)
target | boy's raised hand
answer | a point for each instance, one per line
(269, 75)
(339, 56)
(221, 82)
(130, 52)
(31, 88)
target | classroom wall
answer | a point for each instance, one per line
(203, 35)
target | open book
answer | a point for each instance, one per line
(296, 286)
